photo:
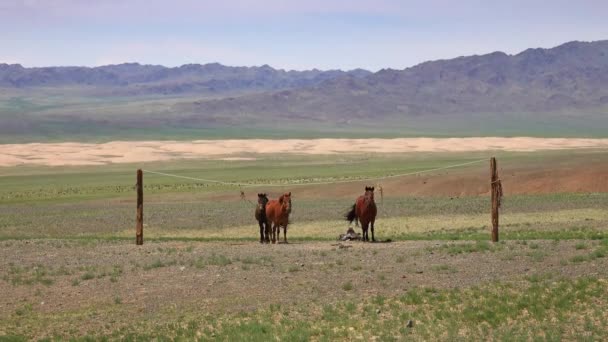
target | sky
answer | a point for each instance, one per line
(301, 34)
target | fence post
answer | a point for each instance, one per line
(495, 182)
(139, 228)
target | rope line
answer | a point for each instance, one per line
(249, 185)
(244, 198)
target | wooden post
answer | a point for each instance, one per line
(139, 228)
(495, 198)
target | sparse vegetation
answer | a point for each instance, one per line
(155, 264)
(218, 260)
(347, 286)
(599, 252)
(537, 255)
(461, 248)
(495, 311)
(208, 249)
(24, 310)
(38, 274)
(87, 276)
(444, 268)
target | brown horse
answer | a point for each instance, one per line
(277, 212)
(364, 210)
(260, 216)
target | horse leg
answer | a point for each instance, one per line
(362, 230)
(268, 232)
(373, 238)
(276, 231)
(272, 232)
(261, 224)
(285, 233)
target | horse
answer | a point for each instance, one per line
(364, 210)
(260, 216)
(277, 212)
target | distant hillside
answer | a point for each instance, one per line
(561, 91)
(136, 79)
(570, 77)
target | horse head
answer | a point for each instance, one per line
(285, 201)
(369, 194)
(262, 201)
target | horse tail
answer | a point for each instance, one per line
(351, 215)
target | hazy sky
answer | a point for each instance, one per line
(286, 34)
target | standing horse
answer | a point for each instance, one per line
(364, 210)
(277, 212)
(260, 216)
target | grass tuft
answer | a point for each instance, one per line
(348, 286)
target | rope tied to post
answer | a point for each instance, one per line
(379, 187)
(381, 190)
(497, 191)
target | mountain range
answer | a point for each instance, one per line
(573, 76)
(130, 79)
(565, 86)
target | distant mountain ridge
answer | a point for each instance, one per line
(135, 78)
(571, 76)
(556, 92)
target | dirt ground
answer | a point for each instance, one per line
(56, 279)
(57, 154)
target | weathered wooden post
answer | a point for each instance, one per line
(496, 197)
(139, 228)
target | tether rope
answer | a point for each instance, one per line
(249, 185)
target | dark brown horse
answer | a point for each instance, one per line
(364, 210)
(260, 215)
(277, 212)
